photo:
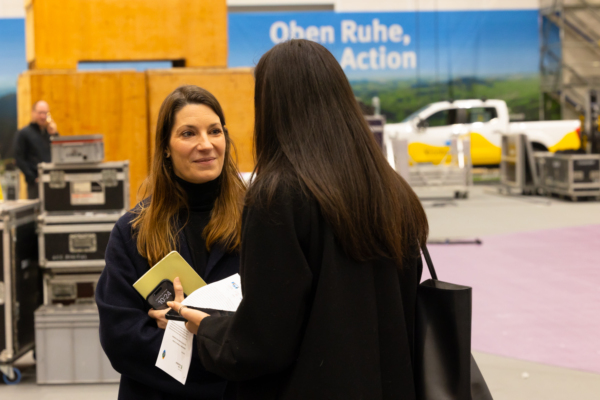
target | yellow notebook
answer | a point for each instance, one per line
(170, 267)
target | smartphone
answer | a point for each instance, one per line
(162, 293)
(173, 316)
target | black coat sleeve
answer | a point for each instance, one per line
(264, 335)
(20, 150)
(129, 337)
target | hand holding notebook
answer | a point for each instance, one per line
(170, 267)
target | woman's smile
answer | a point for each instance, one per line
(205, 161)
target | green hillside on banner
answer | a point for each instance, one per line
(399, 98)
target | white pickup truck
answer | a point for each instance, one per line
(430, 129)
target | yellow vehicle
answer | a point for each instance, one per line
(430, 129)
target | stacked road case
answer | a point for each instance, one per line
(10, 183)
(569, 175)
(80, 204)
(20, 292)
(517, 167)
(452, 177)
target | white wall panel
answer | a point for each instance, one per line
(399, 5)
(12, 9)
(434, 5)
(279, 2)
(15, 9)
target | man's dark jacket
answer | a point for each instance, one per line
(31, 147)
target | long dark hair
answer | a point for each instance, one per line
(156, 222)
(309, 128)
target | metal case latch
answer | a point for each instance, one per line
(57, 180)
(109, 177)
(83, 243)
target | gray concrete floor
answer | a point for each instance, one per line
(510, 379)
(485, 212)
(29, 390)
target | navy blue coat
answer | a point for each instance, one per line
(131, 339)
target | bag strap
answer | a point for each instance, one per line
(429, 263)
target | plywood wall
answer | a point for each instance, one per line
(234, 88)
(62, 32)
(82, 103)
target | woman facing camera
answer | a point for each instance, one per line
(194, 204)
(330, 259)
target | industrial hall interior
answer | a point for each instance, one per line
(245, 199)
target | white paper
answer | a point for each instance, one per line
(175, 354)
(176, 351)
(224, 295)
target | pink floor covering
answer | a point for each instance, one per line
(536, 295)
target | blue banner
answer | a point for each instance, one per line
(409, 59)
(400, 44)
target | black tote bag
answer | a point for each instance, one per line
(444, 366)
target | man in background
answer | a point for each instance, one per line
(32, 145)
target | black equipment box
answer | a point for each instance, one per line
(80, 188)
(69, 289)
(20, 281)
(76, 242)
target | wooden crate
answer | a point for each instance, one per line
(111, 103)
(60, 33)
(234, 88)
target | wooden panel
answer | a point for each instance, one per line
(24, 102)
(68, 31)
(234, 88)
(109, 103)
(29, 32)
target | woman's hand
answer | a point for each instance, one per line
(194, 317)
(159, 315)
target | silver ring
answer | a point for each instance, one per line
(181, 308)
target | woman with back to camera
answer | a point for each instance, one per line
(194, 206)
(330, 259)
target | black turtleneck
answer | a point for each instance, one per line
(201, 199)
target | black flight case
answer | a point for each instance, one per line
(20, 283)
(84, 188)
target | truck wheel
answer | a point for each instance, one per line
(14, 381)
(538, 147)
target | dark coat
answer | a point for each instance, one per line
(31, 147)
(131, 339)
(313, 323)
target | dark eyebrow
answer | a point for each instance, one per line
(215, 124)
(187, 127)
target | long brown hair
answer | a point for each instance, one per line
(309, 128)
(156, 225)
